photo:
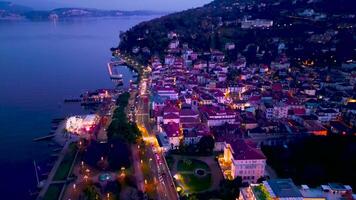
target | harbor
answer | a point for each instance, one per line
(67, 135)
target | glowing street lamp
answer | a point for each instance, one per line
(86, 178)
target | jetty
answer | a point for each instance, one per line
(74, 100)
(113, 74)
(46, 137)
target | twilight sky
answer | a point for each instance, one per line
(161, 5)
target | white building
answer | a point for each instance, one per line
(243, 160)
(167, 92)
(257, 23)
(218, 117)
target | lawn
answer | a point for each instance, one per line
(53, 192)
(191, 165)
(63, 169)
(193, 183)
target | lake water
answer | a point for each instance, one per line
(41, 63)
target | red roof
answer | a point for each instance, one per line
(277, 87)
(254, 98)
(189, 120)
(216, 111)
(218, 93)
(243, 151)
(187, 112)
(171, 129)
(299, 111)
(170, 109)
(171, 116)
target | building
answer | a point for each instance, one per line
(82, 125)
(216, 116)
(167, 92)
(241, 159)
(257, 23)
(173, 133)
(330, 191)
(285, 189)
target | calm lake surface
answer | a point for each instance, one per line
(41, 63)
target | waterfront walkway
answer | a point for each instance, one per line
(49, 180)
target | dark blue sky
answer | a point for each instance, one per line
(163, 5)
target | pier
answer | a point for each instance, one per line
(47, 137)
(112, 74)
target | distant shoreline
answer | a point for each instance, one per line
(11, 12)
(18, 19)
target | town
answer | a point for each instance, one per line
(250, 108)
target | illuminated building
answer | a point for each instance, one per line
(82, 124)
(243, 160)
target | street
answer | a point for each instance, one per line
(165, 185)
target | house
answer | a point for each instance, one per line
(174, 44)
(274, 189)
(206, 99)
(244, 160)
(193, 136)
(173, 133)
(280, 110)
(167, 92)
(257, 23)
(314, 127)
(229, 46)
(285, 189)
(327, 115)
(171, 118)
(216, 116)
(263, 68)
(330, 191)
(189, 119)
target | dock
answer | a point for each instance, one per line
(75, 100)
(111, 71)
(46, 137)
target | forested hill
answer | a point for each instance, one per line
(13, 11)
(219, 22)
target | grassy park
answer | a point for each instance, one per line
(64, 168)
(196, 183)
(188, 178)
(53, 192)
(191, 165)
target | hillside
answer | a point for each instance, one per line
(217, 23)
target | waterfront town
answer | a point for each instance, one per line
(206, 124)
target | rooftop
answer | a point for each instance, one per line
(283, 188)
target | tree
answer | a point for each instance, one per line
(230, 188)
(262, 178)
(206, 145)
(91, 193)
